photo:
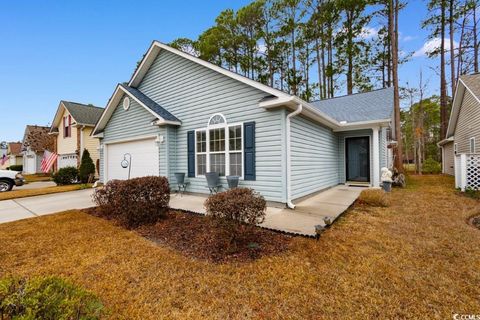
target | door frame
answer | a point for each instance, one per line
(369, 158)
(131, 139)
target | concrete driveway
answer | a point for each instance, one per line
(17, 209)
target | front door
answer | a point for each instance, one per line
(357, 153)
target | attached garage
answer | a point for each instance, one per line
(29, 165)
(144, 160)
(67, 160)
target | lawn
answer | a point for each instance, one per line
(37, 177)
(15, 194)
(417, 258)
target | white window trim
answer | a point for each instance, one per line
(227, 152)
(470, 145)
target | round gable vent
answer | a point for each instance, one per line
(126, 103)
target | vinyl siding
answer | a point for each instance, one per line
(66, 145)
(383, 147)
(193, 93)
(128, 124)
(468, 124)
(91, 144)
(448, 159)
(314, 157)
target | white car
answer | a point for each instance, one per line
(9, 178)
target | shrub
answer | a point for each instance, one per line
(46, 298)
(232, 208)
(87, 168)
(16, 167)
(134, 202)
(431, 166)
(374, 198)
(64, 176)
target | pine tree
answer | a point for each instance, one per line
(87, 167)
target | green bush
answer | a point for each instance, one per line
(46, 298)
(134, 202)
(87, 168)
(431, 166)
(235, 207)
(67, 175)
(16, 167)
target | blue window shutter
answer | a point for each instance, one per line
(191, 153)
(249, 150)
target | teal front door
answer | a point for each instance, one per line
(357, 156)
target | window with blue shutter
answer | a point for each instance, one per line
(249, 150)
(191, 153)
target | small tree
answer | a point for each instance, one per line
(86, 167)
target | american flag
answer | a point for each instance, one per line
(48, 160)
(3, 160)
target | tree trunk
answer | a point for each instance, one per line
(443, 85)
(393, 31)
(349, 54)
(319, 67)
(460, 48)
(452, 49)
(475, 39)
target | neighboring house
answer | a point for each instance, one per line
(14, 153)
(179, 113)
(463, 133)
(3, 155)
(35, 141)
(72, 128)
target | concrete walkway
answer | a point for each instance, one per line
(22, 208)
(307, 214)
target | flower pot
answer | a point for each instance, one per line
(232, 181)
(180, 177)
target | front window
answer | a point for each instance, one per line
(219, 148)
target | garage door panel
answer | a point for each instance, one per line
(144, 159)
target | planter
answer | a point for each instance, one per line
(387, 186)
(232, 181)
(180, 177)
(213, 179)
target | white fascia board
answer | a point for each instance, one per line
(163, 122)
(57, 117)
(452, 122)
(364, 125)
(98, 135)
(107, 113)
(157, 46)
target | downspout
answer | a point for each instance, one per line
(289, 155)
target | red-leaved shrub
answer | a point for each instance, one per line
(134, 202)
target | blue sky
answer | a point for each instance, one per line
(79, 50)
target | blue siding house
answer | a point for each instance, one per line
(179, 113)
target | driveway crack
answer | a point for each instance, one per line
(21, 205)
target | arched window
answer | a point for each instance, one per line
(219, 147)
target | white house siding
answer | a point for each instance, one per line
(127, 125)
(314, 157)
(383, 148)
(468, 124)
(193, 93)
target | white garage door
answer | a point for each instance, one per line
(144, 160)
(67, 160)
(29, 166)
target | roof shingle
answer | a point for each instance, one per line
(83, 113)
(374, 105)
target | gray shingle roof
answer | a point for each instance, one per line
(472, 81)
(152, 105)
(374, 105)
(82, 113)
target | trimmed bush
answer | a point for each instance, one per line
(87, 168)
(46, 298)
(431, 166)
(232, 208)
(134, 202)
(65, 176)
(16, 167)
(374, 198)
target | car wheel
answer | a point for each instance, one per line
(5, 185)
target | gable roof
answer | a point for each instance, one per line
(82, 114)
(163, 116)
(37, 138)
(15, 148)
(374, 105)
(469, 83)
(149, 103)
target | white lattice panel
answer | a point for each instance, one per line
(473, 171)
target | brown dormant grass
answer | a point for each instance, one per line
(15, 194)
(416, 259)
(375, 198)
(37, 177)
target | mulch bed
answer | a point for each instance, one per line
(198, 237)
